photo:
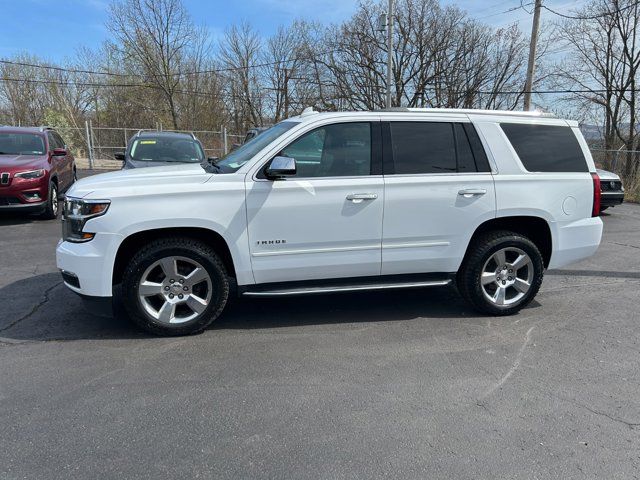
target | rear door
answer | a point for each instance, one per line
(438, 189)
(326, 221)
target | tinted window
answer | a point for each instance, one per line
(479, 155)
(58, 139)
(423, 147)
(466, 162)
(338, 150)
(53, 141)
(546, 148)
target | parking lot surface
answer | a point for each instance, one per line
(406, 384)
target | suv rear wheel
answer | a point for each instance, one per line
(175, 286)
(501, 273)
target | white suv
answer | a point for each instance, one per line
(332, 202)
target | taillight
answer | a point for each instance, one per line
(596, 195)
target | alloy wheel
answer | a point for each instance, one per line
(507, 276)
(175, 289)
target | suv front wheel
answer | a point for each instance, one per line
(501, 273)
(175, 286)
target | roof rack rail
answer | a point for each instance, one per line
(469, 111)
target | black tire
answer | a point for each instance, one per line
(188, 248)
(51, 208)
(483, 248)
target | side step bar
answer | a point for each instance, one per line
(280, 292)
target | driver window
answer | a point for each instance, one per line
(338, 150)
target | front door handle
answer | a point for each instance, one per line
(472, 192)
(359, 197)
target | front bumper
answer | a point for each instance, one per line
(24, 194)
(91, 263)
(609, 199)
(23, 207)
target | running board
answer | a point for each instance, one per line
(281, 292)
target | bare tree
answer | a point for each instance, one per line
(602, 64)
(156, 37)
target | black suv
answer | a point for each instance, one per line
(153, 149)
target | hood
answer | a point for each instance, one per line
(139, 181)
(12, 163)
(606, 175)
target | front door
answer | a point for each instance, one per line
(438, 190)
(325, 221)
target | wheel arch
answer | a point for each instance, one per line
(135, 241)
(537, 229)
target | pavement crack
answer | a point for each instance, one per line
(512, 370)
(625, 245)
(45, 298)
(629, 424)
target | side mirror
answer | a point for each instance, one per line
(212, 159)
(59, 152)
(281, 167)
(119, 156)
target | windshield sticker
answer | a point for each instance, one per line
(148, 142)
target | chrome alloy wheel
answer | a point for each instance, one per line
(54, 200)
(507, 276)
(175, 290)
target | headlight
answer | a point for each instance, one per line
(30, 174)
(75, 214)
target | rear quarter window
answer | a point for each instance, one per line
(546, 148)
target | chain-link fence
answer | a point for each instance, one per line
(97, 145)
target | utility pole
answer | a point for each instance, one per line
(531, 67)
(389, 51)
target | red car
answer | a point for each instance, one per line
(35, 167)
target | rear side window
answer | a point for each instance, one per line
(436, 147)
(423, 147)
(546, 148)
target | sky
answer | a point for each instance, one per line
(55, 29)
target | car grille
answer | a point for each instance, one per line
(610, 185)
(4, 178)
(6, 201)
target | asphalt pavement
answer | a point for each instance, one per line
(407, 385)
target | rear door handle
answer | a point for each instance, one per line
(472, 192)
(359, 197)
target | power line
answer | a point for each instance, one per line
(96, 84)
(177, 74)
(195, 92)
(592, 17)
(512, 9)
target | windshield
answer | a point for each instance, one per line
(237, 158)
(21, 144)
(166, 149)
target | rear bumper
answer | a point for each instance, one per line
(609, 199)
(574, 241)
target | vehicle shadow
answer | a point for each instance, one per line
(16, 218)
(49, 311)
(593, 273)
